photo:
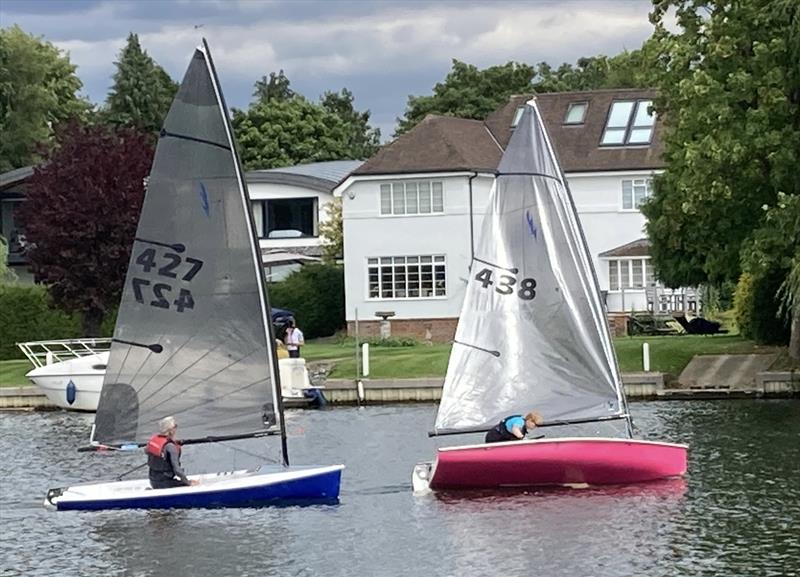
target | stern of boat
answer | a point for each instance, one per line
(420, 478)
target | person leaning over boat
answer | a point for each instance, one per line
(164, 457)
(514, 428)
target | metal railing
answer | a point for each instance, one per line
(41, 353)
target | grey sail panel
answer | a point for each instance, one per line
(193, 290)
(532, 334)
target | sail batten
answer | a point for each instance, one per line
(532, 303)
(192, 337)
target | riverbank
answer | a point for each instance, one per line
(638, 386)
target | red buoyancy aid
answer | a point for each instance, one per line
(157, 444)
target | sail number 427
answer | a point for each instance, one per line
(507, 284)
(165, 294)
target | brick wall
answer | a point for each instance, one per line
(444, 330)
(436, 330)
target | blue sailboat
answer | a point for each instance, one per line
(192, 337)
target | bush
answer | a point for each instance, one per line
(26, 314)
(316, 295)
(757, 305)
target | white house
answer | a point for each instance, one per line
(406, 211)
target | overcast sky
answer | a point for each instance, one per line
(383, 51)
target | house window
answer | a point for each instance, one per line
(286, 217)
(635, 192)
(629, 122)
(517, 116)
(406, 277)
(576, 113)
(413, 197)
(629, 273)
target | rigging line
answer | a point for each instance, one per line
(215, 399)
(240, 450)
(161, 388)
(543, 175)
(129, 471)
(512, 270)
(177, 246)
(493, 353)
(164, 133)
(197, 383)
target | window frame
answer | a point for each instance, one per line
(262, 220)
(630, 125)
(648, 184)
(585, 104)
(398, 190)
(645, 274)
(384, 271)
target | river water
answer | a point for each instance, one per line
(737, 513)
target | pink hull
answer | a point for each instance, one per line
(592, 461)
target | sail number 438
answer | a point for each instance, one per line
(507, 284)
(163, 291)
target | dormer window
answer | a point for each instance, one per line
(517, 116)
(576, 113)
(629, 122)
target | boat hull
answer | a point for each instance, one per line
(566, 461)
(233, 489)
(74, 384)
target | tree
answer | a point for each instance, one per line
(142, 92)
(38, 91)
(730, 100)
(362, 140)
(468, 92)
(276, 87)
(81, 214)
(331, 232)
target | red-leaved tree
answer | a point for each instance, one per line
(81, 213)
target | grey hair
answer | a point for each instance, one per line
(165, 424)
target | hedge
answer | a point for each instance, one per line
(756, 303)
(26, 315)
(315, 294)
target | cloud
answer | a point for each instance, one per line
(388, 49)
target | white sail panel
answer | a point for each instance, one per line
(532, 334)
(191, 338)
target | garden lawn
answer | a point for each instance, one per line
(12, 373)
(668, 354)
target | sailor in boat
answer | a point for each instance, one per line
(164, 457)
(514, 428)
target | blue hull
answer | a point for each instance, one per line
(317, 489)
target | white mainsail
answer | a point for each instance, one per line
(192, 337)
(532, 334)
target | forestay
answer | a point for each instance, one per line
(192, 337)
(532, 332)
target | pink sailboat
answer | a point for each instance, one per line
(533, 335)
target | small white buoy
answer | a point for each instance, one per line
(360, 391)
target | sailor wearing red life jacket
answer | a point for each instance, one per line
(164, 457)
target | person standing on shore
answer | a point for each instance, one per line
(294, 340)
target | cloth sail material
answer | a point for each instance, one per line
(532, 332)
(192, 337)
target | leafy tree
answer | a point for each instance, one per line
(363, 140)
(730, 99)
(286, 132)
(276, 87)
(38, 90)
(468, 92)
(316, 295)
(331, 232)
(142, 92)
(81, 215)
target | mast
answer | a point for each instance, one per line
(272, 358)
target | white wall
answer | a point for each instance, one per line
(266, 191)
(598, 198)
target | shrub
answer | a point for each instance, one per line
(316, 295)
(27, 314)
(757, 304)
